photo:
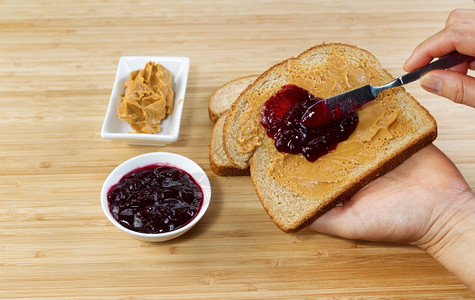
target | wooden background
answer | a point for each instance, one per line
(57, 65)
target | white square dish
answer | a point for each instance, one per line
(116, 129)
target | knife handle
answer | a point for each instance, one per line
(450, 60)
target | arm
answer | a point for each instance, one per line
(451, 239)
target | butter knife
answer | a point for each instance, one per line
(328, 110)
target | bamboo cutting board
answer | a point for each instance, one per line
(57, 65)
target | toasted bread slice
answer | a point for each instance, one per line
(219, 162)
(222, 98)
(294, 191)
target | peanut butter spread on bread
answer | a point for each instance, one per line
(148, 98)
(377, 126)
(379, 122)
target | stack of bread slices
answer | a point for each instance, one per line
(239, 145)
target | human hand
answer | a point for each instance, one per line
(458, 34)
(408, 204)
(425, 201)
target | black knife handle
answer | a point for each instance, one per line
(450, 60)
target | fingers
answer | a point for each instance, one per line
(458, 34)
(460, 15)
(453, 85)
(461, 68)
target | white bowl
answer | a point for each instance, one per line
(171, 159)
(116, 129)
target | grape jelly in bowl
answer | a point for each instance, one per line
(156, 196)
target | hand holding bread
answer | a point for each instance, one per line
(410, 191)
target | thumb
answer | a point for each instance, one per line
(341, 222)
(455, 86)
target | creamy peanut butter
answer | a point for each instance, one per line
(377, 126)
(148, 98)
(379, 122)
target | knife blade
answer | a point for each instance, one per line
(331, 109)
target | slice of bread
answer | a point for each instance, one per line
(219, 161)
(218, 104)
(291, 211)
(222, 98)
(294, 191)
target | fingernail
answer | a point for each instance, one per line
(432, 84)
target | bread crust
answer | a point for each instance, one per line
(214, 100)
(218, 160)
(228, 171)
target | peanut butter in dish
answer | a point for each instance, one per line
(148, 98)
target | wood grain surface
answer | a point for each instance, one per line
(57, 65)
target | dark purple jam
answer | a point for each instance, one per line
(322, 113)
(281, 117)
(155, 199)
